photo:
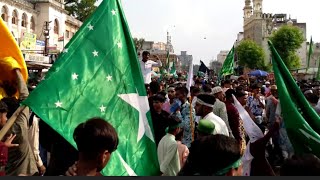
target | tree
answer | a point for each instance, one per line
(138, 43)
(251, 55)
(80, 9)
(287, 40)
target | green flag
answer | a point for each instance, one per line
(310, 53)
(318, 73)
(98, 75)
(228, 65)
(173, 70)
(168, 61)
(301, 121)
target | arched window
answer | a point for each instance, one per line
(4, 13)
(15, 17)
(24, 20)
(32, 24)
(56, 26)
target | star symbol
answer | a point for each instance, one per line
(109, 78)
(74, 76)
(95, 53)
(102, 109)
(126, 166)
(140, 103)
(65, 50)
(119, 44)
(113, 12)
(90, 27)
(58, 104)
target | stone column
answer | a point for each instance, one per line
(9, 23)
(19, 30)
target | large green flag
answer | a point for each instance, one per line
(98, 75)
(228, 65)
(310, 53)
(301, 121)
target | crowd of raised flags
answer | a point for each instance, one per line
(118, 121)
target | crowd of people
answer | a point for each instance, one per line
(198, 132)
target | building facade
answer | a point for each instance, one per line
(221, 57)
(259, 26)
(29, 17)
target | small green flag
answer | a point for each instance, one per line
(99, 75)
(173, 70)
(318, 74)
(228, 65)
(301, 121)
(310, 53)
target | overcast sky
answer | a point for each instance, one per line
(217, 20)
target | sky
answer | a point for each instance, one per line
(205, 27)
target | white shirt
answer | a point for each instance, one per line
(220, 125)
(34, 140)
(146, 68)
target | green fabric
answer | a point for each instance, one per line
(301, 121)
(310, 53)
(173, 70)
(99, 76)
(206, 126)
(228, 65)
(168, 61)
(318, 73)
(224, 171)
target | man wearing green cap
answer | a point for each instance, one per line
(205, 128)
(168, 155)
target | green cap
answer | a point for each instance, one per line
(206, 126)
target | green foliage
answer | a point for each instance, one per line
(287, 40)
(138, 43)
(80, 9)
(251, 55)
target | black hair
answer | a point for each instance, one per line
(95, 136)
(12, 104)
(9, 88)
(3, 107)
(220, 149)
(145, 53)
(159, 97)
(183, 90)
(197, 82)
(154, 87)
(163, 93)
(179, 136)
(229, 93)
(255, 86)
(207, 98)
(301, 165)
(227, 81)
(312, 98)
(173, 122)
(194, 89)
(207, 88)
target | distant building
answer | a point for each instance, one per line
(258, 26)
(222, 56)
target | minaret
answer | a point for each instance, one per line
(247, 10)
(257, 7)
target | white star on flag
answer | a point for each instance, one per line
(90, 27)
(58, 104)
(126, 166)
(95, 53)
(74, 76)
(65, 50)
(140, 103)
(119, 45)
(102, 108)
(113, 12)
(109, 78)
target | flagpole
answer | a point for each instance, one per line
(191, 118)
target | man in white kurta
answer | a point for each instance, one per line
(146, 66)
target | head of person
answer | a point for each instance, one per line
(274, 91)
(198, 84)
(158, 101)
(145, 55)
(3, 114)
(179, 135)
(195, 91)
(205, 128)
(171, 92)
(242, 97)
(204, 104)
(235, 84)
(229, 94)
(218, 93)
(227, 83)
(267, 83)
(215, 155)
(311, 97)
(256, 89)
(154, 87)
(12, 105)
(96, 140)
(182, 93)
(174, 125)
(207, 89)
(301, 165)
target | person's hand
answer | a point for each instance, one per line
(156, 57)
(42, 170)
(8, 142)
(72, 170)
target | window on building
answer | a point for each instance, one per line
(24, 20)
(15, 17)
(56, 26)
(32, 24)
(67, 34)
(71, 34)
(4, 13)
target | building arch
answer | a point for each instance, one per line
(24, 20)
(15, 16)
(56, 26)
(32, 24)
(4, 13)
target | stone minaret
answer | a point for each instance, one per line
(257, 7)
(247, 10)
